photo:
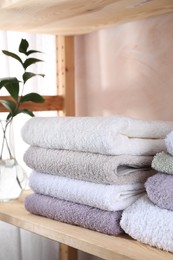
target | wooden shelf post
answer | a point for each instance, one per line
(65, 88)
(67, 252)
(65, 73)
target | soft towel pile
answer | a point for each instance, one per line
(106, 135)
(75, 214)
(150, 219)
(92, 167)
(160, 190)
(159, 187)
(102, 196)
(163, 162)
(149, 224)
(87, 170)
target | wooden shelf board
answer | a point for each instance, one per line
(95, 243)
(71, 17)
(51, 103)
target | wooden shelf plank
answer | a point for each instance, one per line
(51, 103)
(95, 243)
(71, 17)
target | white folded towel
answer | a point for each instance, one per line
(106, 135)
(102, 196)
(149, 224)
(169, 142)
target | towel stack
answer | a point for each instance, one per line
(159, 187)
(150, 219)
(86, 170)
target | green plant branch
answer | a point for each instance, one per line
(12, 85)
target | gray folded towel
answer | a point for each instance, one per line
(96, 168)
(107, 222)
(160, 190)
(163, 162)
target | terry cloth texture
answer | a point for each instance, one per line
(169, 142)
(102, 196)
(107, 222)
(160, 190)
(163, 162)
(149, 224)
(106, 135)
(96, 168)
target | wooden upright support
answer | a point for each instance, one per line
(65, 73)
(65, 88)
(67, 252)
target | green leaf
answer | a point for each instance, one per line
(29, 62)
(23, 46)
(13, 55)
(33, 97)
(12, 86)
(5, 80)
(27, 111)
(19, 111)
(32, 51)
(28, 75)
(10, 105)
(16, 112)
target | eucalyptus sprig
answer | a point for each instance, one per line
(15, 87)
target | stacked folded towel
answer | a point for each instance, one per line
(150, 219)
(102, 196)
(106, 135)
(159, 187)
(86, 170)
(149, 224)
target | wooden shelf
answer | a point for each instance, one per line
(51, 103)
(71, 17)
(104, 246)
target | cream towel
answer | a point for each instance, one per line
(98, 168)
(106, 135)
(105, 197)
(149, 224)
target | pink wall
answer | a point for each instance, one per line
(127, 70)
